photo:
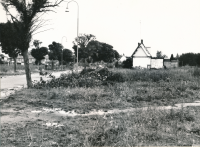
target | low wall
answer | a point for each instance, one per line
(172, 64)
(156, 63)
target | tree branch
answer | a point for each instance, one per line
(36, 27)
(43, 31)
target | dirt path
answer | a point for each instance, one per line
(24, 113)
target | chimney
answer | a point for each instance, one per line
(138, 44)
(141, 41)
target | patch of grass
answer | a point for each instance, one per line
(119, 95)
(196, 72)
(138, 128)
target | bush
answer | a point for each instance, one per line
(84, 71)
(116, 77)
(128, 63)
(110, 65)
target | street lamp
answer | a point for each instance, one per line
(77, 22)
(62, 51)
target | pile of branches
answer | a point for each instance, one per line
(86, 78)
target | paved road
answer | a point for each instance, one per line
(20, 80)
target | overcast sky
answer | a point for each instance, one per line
(170, 26)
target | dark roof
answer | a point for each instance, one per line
(168, 60)
(157, 58)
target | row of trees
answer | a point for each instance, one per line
(55, 52)
(190, 59)
(159, 54)
(89, 50)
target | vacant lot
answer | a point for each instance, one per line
(105, 90)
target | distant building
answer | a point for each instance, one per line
(20, 59)
(123, 58)
(171, 63)
(3, 57)
(143, 59)
(46, 60)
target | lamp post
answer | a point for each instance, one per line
(77, 22)
(62, 52)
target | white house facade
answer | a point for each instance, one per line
(143, 59)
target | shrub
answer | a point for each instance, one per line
(84, 71)
(116, 77)
(128, 63)
(110, 65)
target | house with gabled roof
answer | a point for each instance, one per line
(142, 58)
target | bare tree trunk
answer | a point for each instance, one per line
(27, 69)
(15, 65)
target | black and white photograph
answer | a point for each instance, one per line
(84, 73)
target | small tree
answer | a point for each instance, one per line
(38, 52)
(160, 55)
(177, 56)
(55, 52)
(85, 49)
(67, 55)
(172, 57)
